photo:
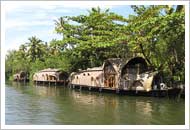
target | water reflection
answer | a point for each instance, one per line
(31, 104)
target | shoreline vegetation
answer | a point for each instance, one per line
(157, 33)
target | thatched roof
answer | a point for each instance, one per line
(135, 60)
(114, 61)
(50, 70)
(20, 73)
(117, 63)
(95, 68)
(17, 74)
(91, 69)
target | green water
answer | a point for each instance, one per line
(27, 104)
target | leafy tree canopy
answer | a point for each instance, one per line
(156, 32)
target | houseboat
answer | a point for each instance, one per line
(51, 76)
(133, 76)
(21, 77)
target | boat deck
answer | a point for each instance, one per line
(50, 82)
(171, 93)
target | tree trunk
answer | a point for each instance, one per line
(142, 50)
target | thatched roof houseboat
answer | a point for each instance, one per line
(117, 74)
(103, 76)
(136, 75)
(111, 72)
(21, 76)
(50, 75)
(89, 77)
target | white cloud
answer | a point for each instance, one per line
(20, 23)
(51, 5)
(22, 16)
(10, 7)
(42, 11)
(15, 42)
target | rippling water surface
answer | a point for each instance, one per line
(27, 104)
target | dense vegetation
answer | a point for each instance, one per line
(155, 32)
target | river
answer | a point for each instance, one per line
(27, 104)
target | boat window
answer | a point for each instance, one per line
(88, 74)
(84, 74)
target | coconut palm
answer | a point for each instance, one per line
(35, 48)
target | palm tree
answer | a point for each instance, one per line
(36, 49)
(22, 51)
(54, 47)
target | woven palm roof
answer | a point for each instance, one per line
(50, 70)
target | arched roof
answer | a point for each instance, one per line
(136, 60)
(115, 62)
(133, 61)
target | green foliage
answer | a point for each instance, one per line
(158, 33)
(92, 37)
(155, 32)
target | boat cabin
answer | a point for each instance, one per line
(21, 76)
(89, 77)
(50, 75)
(111, 68)
(104, 76)
(134, 74)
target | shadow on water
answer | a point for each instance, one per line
(31, 104)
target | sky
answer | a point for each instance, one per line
(26, 19)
